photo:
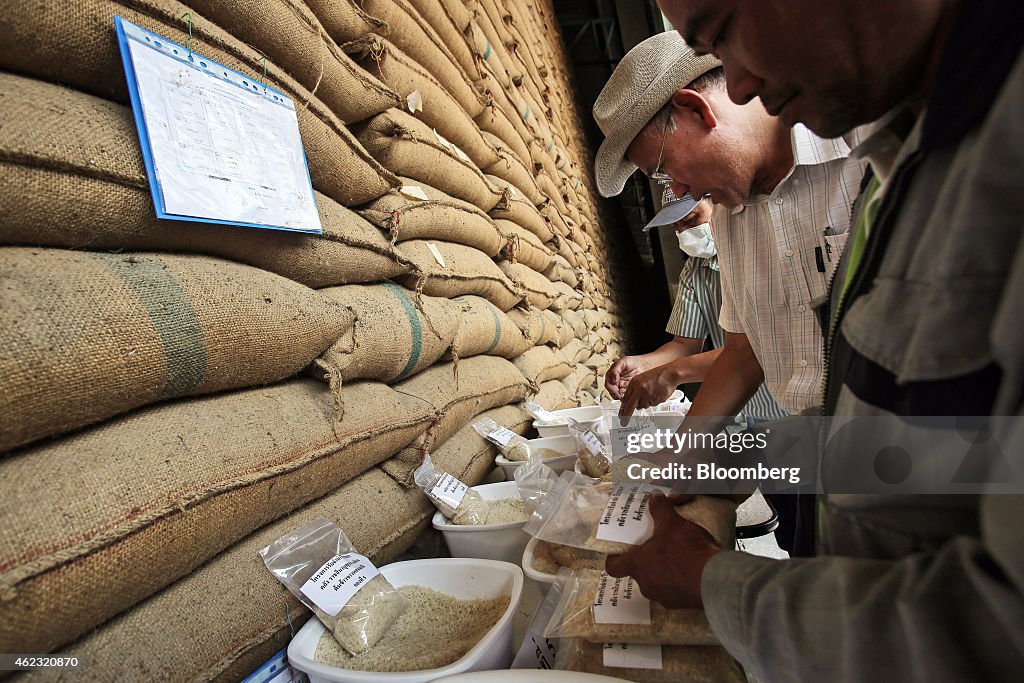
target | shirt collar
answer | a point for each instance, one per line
(808, 150)
(881, 141)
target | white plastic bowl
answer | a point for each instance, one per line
(588, 415)
(538, 576)
(503, 542)
(562, 444)
(464, 578)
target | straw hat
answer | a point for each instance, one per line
(641, 84)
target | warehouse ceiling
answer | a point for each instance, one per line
(597, 34)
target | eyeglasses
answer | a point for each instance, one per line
(659, 175)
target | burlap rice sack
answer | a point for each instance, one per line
(410, 148)
(344, 20)
(396, 333)
(483, 329)
(460, 270)
(539, 291)
(67, 179)
(523, 246)
(86, 336)
(198, 628)
(567, 298)
(290, 35)
(406, 215)
(459, 395)
(495, 122)
(554, 396)
(145, 499)
(73, 44)
(560, 270)
(510, 126)
(520, 210)
(543, 363)
(450, 20)
(423, 96)
(415, 37)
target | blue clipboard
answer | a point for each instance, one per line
(215, 176)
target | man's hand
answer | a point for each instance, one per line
(648, 389)
(620, 374)
(669, 565)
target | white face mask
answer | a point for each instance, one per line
(697, 242)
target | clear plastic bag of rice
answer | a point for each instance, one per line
(510, 444)
(600, 608)
(542, 415)
(611, 518)
(320, 567)
(534, 480)
(456, 501)
(594, 458)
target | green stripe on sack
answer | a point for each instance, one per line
(417, 331)
(173, 316)
(487, 52)
(497, 326)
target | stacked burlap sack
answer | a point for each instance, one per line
(180, 393)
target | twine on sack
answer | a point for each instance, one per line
(391, 223)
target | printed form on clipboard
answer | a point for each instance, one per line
(219, 146)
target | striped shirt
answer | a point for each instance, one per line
(771, 270)
(695, 316)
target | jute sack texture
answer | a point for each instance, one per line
(416, 38)
(68, 179)
(406, 215)
(146, 498)
(543, 363)
(87, 336)
(553, 395)
(197, 628)
(458, 394)
(344, 20)
(499, 130)
(464, 271)
(531, 322)
(539, 291)
(566, 297)
(449, 20)
(468, 456)
(409, 147)
(396, 333)
(557, 335)
(566, 333)
(435, 106)
(516, 208)
(561, 271)
(292, 37)
(73, 43)
(523, 246)
(483, 329)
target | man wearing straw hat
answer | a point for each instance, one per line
(783, 206)
(783, 201)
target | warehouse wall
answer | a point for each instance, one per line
(179, 394)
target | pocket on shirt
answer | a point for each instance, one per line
(832, 247)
